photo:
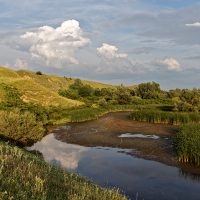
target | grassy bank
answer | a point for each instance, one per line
(174, 118)
(187, 139)
(26, 176)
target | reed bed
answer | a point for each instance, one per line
(188, 143)
(165, 117)
(93, 113)
(26, 176)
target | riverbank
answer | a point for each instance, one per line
(26, 176)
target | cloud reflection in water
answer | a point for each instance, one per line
(60, 153)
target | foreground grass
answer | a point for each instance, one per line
(26, 176)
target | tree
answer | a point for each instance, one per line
(122, 95)
(148, 90)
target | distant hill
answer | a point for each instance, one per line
(42, 88)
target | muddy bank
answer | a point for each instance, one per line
(105, 132)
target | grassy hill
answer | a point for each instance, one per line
(41, 88)
(38, 89)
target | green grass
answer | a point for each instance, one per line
(165, 117)
(26, 176)
(188, 143)
(93, 113)
(8, 73)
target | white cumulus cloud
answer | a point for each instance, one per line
(169, 63)
(53, 47)
(197, 24)
(115, 63)
(20, 64)
(109, 52)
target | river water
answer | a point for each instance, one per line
(138, 158)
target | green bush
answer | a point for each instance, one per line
(102, 102)
(70, 93)
(21, 127)
(39, 73)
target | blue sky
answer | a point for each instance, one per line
(110, 41)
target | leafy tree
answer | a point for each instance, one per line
(148, 90)
(122, 95)
(85, 91)
(77, 83)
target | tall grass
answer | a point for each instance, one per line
(188, 143)
(165, 117)
(25, 176)
(93, 113)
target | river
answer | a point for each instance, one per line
(139, 158)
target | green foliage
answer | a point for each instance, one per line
(12, 97)
(188, 143)
(165, 117)
(70, 93)
(102, 102)
(19, 126)
(122, 95)
(148, 90)
(25, 176)
(39, 73)
(85, 91)
(185, 100)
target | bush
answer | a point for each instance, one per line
(71, 94)
(39, 73)
(21, 127)
(112, 102)
(102, 102)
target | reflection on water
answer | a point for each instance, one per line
(143, 165)
(54, 151)
(139, 136)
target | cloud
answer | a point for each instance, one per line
(147, 41)
(169, 63)
(54, 151)
(197, 24)
(52, 47)
(115, 63)
(168, 25)
(20, 64)
(7, 65)
(141, 50)
(192, 57)
(109, 52)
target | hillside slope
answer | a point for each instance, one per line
(41, 88)
(37, 89)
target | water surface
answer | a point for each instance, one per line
(113, 151)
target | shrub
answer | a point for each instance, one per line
(21, 127)
(112, 102)
(102, 102)
(39, 73)
(71, 94)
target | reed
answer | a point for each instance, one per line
(26, 176)
(93, 113)
(155, 116)
(188, 143)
